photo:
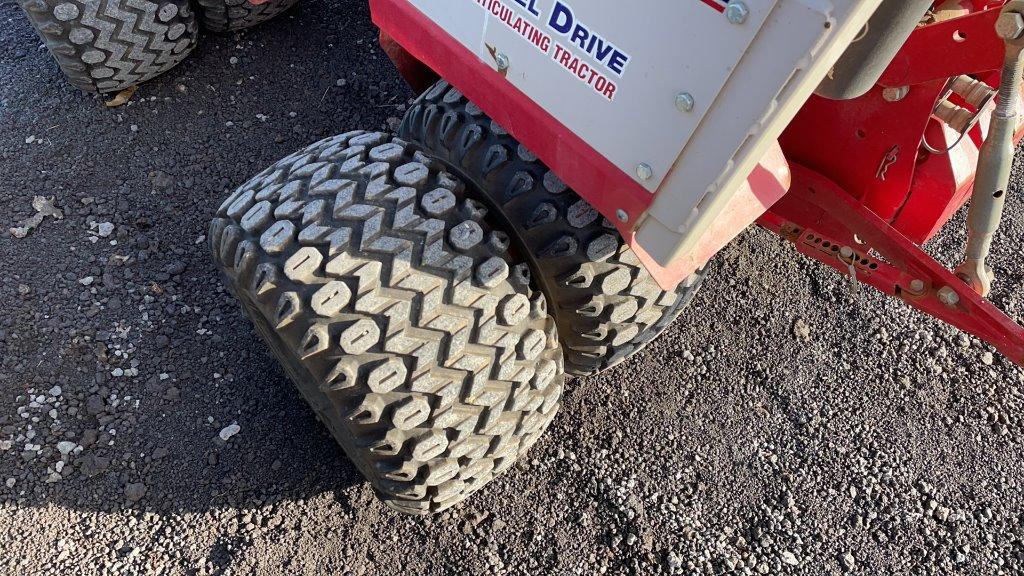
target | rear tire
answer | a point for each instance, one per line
(606, 304)
(393, 307)
(234, 15)
(110, 45)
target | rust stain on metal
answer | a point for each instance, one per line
(493, 51)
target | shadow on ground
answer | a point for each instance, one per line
(117, 306)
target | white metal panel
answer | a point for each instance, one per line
(673, 46)
(463, 24)
(783, 66)
(747, 80)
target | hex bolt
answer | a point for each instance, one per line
(1010, 25)
(502, 61)
(621, 215)
(917, 286)
(644, 171)
(895, 94)
(685, 102)
(737, 12)
(948, 296)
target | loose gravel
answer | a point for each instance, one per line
(782, 426)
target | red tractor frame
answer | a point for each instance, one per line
(864, 192)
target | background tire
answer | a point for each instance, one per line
(391, 305)
(232, 15)
(110, 45)
(606, 305)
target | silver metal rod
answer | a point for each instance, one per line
(995, 159)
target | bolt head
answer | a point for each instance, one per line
(502, 61)
(948, 296)
(621, 215)
(737, 12)
(917, 285)
(685, 102)
(1010, 25)
(895, 94)
(644, 171)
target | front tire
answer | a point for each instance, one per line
(605, 303)
(395, 309)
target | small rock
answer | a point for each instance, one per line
(801, 330)
(675, 561)
(65, 447)
(94, 405)
(135, 491)
(93, 465)
(790, 558)
(230, 430)
(105, 229)
(89, 437)
(176, 268)
(44, 207)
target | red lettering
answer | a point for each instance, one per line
(518, 24)
(585, 72)
(609, 92)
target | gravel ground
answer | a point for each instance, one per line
(781, 426)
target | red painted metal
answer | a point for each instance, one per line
(965, 45)
(867, 145)
(862, 159)
(820, 218)
(417, 75)
(871, 147)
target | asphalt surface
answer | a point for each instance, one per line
(782, 425)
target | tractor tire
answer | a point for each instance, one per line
(233, 15)
(605, 303)
(110, 45)
(392, 305)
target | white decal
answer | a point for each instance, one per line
(580, 50)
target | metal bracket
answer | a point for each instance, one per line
(821, 219)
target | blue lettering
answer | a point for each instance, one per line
(530, 5)
(564, 22)
(561, 19)
(579, 36)
(618, 62)
(602, 51)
